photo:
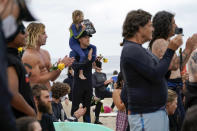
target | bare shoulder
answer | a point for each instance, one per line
(159, 47)
(30, 57)
(11, 70)
(116, 92)
(45, 53)
(160, 43)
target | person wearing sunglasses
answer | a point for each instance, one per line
(10, 12)
(22, 102)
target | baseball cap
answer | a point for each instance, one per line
(85, 33)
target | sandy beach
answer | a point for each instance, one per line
(108, 120)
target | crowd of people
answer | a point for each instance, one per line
(149, 73)
(150, 92)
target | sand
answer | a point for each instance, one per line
(107, 120)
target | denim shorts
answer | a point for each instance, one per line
(155, 121)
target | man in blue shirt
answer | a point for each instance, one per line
(144, 74)
(82, 89)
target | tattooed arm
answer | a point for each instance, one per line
(192, 67)
(185, 57)
(159, 48)
(190, 47)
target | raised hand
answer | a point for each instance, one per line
(67, 61)
(90, 54)
(83, 27)
(191, 43)
(108, 81)
(176, 42)
(80, 112)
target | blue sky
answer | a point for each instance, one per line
(107, 17)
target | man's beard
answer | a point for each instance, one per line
(44, 108)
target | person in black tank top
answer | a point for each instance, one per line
(22, 102)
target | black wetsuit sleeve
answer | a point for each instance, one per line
(147, 68)
(79, 65)
(95, 83)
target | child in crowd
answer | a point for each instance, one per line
(28, 124)
(121, 119)
(170, 108)
(172, 102)
(76, 29)
(59, 90)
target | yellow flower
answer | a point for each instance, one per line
(61, 66)
(105, 60)
(20, 49)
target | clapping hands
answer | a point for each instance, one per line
(67, 61)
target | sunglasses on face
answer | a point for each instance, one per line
(22, 31)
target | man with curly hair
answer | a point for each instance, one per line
(58, 91)
(144, 73)
(164, 28)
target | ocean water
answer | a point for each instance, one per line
(108, 68)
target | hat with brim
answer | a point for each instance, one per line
(84, 34)
(25, 14)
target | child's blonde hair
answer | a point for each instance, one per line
(77, 16)
(34, 30)
(171, 95)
